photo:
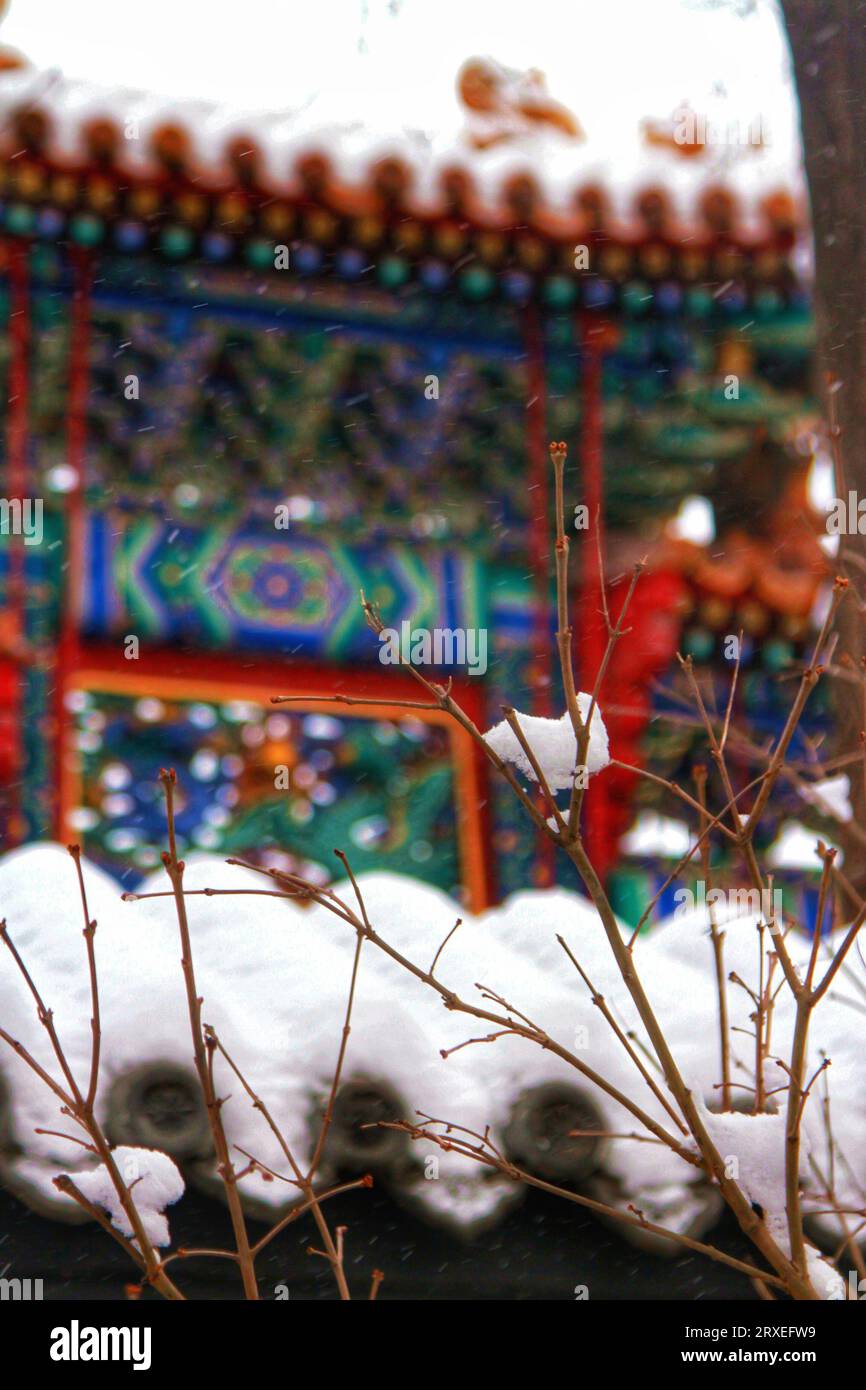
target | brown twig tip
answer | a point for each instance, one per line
(367, 1180)
(74, 850)
(132, 1291)
(129, 897)
(371, 613)
(558, 451)
(840, 582)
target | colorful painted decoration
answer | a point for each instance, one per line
(263, 588)
(280, 789)
(242, 452)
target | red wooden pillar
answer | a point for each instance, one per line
(14, 649)
(590, 630)
(539, 554)
(76, 445)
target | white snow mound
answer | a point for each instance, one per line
(553, 744)
(755, 1144)
(155, 1183)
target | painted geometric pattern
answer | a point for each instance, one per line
(380, 431)
(281, 789)
(266, 588)
(196, 415)
(28, 682)
(513, 617)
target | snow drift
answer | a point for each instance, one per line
(275, 975)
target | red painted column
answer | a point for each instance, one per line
(76, 456)
(591, 631)
(539, 554)
(12, 711)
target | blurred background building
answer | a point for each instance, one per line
(254, 364)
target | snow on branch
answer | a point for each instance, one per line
(155, 1180)
(553, 744)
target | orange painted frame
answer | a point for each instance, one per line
(178, 675)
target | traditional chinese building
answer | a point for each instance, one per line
(251, 369)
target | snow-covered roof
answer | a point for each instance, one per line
(614, 176)
(274, 977)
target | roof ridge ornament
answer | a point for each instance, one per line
(503, 104)
(10, 58)
(689, 133)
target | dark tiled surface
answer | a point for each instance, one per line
(541, 1252)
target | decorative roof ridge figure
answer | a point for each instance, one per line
(10, 58)
(689, 134)
(504, 104)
